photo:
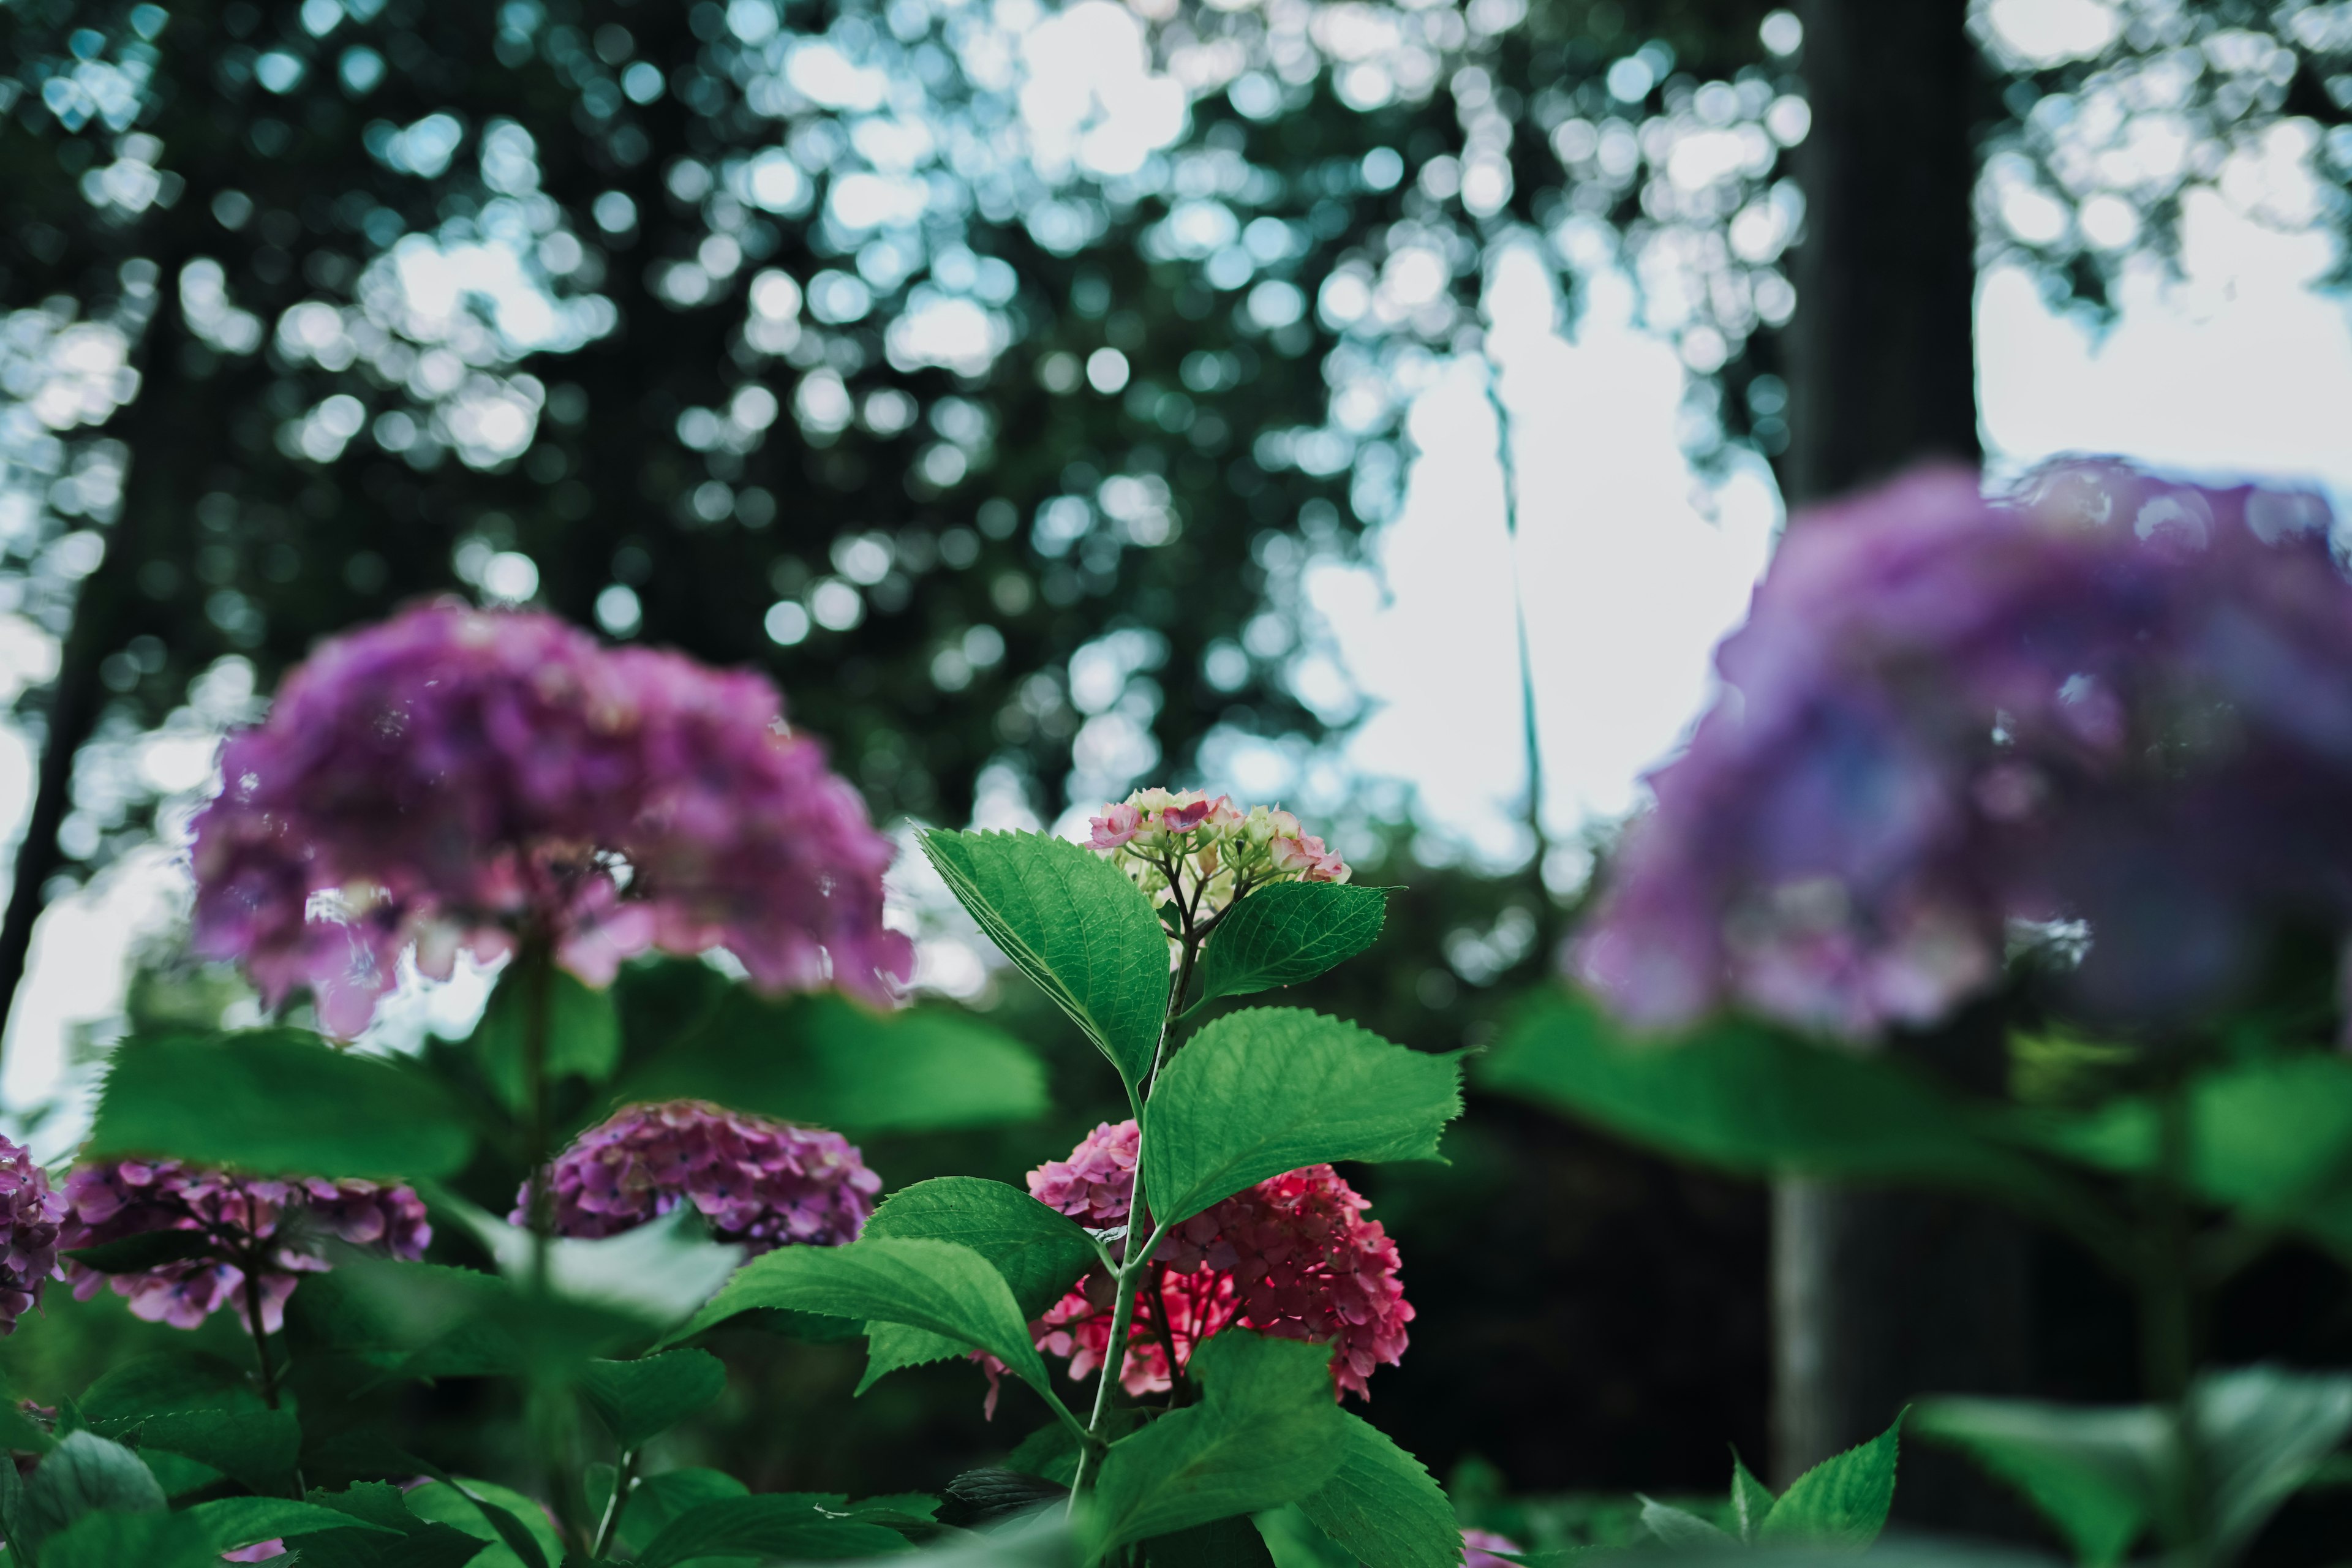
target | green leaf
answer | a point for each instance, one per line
(640, 1400)
(2095, 1473)
(234, 1521)
(655, 1500)
(1751, 1500)
(1289, 932)
(659, 1272)
(399, 1539)
(1752, 1100)
(782, 1524)
(1040, 1253)
(1052, 1450)
(1267, 1090)
(1294, 1541)
(1842, 1501)
(86, 1473)
(936, 1285)
(2261, 1432)
(275, 1101)
(583, 1033)
(257, 1448)
(148, 1540)
(1382, 1506)
(518, 1532)
(1266, 1431)
(1679, 1527)
(824, 1058)
(200, 1407)
(1075, 925)
(1221, 1543)
(149, 1249)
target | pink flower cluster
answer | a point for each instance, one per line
(2107, 704)
(1480, 1547)
(32, 1214)
(1204, 853)
(454, 779)
(757, 1181)
(1292, 1257)
(284, 1220)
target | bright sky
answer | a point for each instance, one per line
(2238, 366)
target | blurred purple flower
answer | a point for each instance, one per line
(285, 1219)
(759, 1182)
(2107, 698)
(458, 779)
(31, 1215)
(1480, 1546)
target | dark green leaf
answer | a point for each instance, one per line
(1382, 1506)
(275, 1101)
(827, 1060)
(993, 1494)
(257, 1448)
(1751, 1500)
(655, 1500)
(1266, 1431)
(1221, 1543)
(1261, 1092)
(519, 1533)
(936, 1285)
(1040, 1253)
(788, 1525)
(1075, 925)
(638, 1400)
(1750, 1100)
(1289, 932)
(2261, 1432)
(657, 1272)
(1679, 1527)
(1296, 1543)
(583, 1033)
(86, 1473)
(235, 1522)
(137, 1254)
(146, 1540)
(1843, 1501)
(2095, 1473)
(1052, 1451)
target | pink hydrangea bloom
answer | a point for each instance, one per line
(758, 1181)
(259, 1551)
(1480, 1546)
(1292, 1257)
(454, 778)
(31, 1216)
(1202, 853)
(2107, 699)
(131, 1197)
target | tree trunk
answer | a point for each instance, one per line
(1880, 1297)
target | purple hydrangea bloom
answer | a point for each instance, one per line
(456, 778)
(286, 1218)
(2107, 698)
(31, 1215)
(763, 1182)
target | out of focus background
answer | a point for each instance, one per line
(1378, 408)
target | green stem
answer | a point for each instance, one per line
(2168, 1319)
(538, 975)
(624, 1478)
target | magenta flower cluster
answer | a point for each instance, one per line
(1292, 1257)
(2108, 708)
(32, 1215)
(763, 1182)
(281, 1222)
(455, 780)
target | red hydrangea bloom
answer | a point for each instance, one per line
(454, 778)
(31, 1215)
(1951, 720)
(288, 1218)
(763, 1182)
(1292, 1257)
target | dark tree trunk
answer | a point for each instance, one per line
(1880, 1297)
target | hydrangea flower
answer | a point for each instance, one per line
(31, 1216)
(1292, 1257)
(1185, 847)
(285, 1221)
(1479, 1548)
(456, 779)
(1952, 720)
(763, 1182)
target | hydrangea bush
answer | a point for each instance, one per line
(595, 822)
